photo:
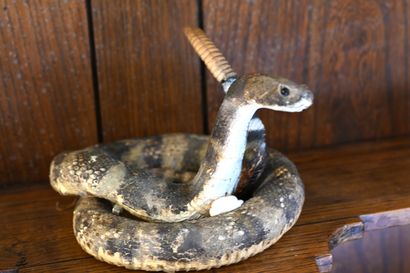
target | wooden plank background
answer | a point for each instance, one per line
(352, 54)
(149, 77)
(77, 72)
(46, 95)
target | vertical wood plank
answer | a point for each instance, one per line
(46, 96)
(352, 54)
(149, 77)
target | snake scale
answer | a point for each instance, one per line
(168, 184)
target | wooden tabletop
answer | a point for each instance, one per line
(341, 183)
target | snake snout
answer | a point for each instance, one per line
(308, 95)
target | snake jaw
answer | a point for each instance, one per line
(304, 103)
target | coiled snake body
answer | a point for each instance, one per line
(171, 182)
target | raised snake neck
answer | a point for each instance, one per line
(255, 154)
(218, 174)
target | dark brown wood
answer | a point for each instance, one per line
(341, 184)
(149, 77)
(352, 54)
(353, 175)
(46, 96)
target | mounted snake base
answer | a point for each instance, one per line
(178, 190)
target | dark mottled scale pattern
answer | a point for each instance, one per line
(116, 149)
(152, 152)
(136, 194)
(195, 153)
(145, 162)
(195, 244)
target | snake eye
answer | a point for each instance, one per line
(284, 91)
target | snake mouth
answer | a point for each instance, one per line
(302, 104)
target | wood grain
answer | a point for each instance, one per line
(352, 54)
(46, 96)
(341, 183)
(149, 77)
(353, 175)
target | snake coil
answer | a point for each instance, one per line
(167, 184)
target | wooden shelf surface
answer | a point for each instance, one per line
(341, 183)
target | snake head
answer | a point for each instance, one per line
(273, 93)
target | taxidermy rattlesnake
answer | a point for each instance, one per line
(170, 184)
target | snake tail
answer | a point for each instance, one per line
(210, 55)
